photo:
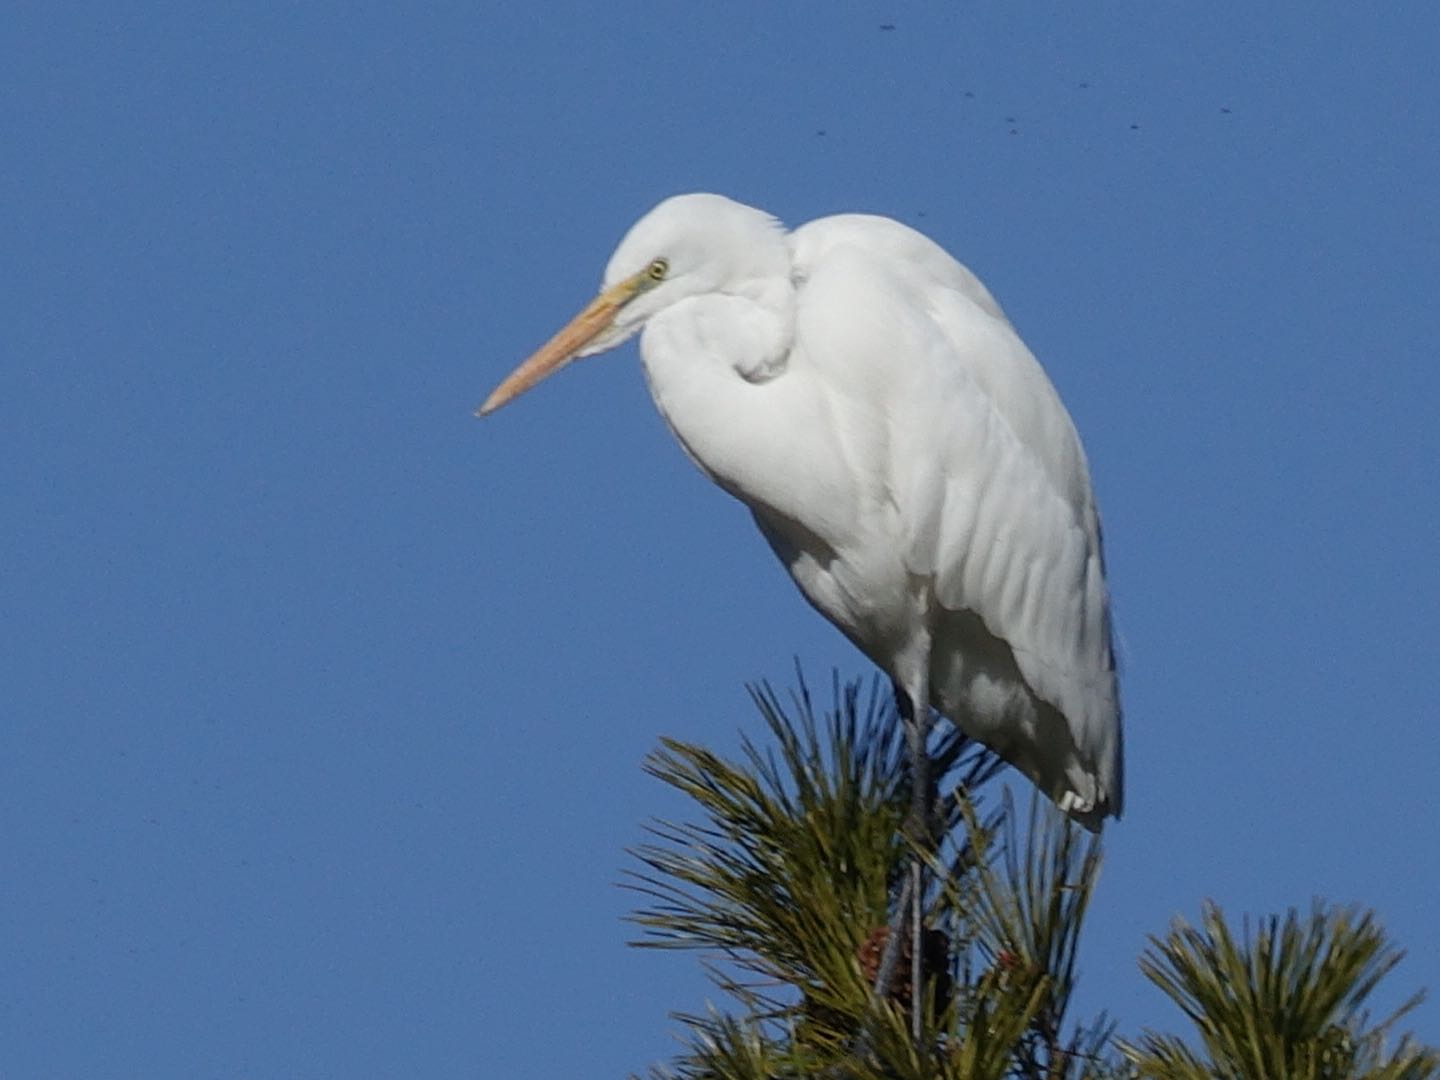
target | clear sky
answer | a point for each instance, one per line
(324, 702)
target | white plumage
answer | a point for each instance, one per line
(902, 451)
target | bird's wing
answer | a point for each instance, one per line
(981, 459)
(888, 241)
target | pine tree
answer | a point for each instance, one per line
(785, 880)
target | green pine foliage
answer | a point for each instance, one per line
(785, 877)
(1286, 999)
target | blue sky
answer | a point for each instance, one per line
(325, 702)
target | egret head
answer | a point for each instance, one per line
(687, 246)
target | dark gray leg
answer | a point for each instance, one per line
(917, 827)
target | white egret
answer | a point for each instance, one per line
(903, 453)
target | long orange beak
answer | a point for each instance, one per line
(561, 349)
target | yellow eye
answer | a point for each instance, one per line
(657, 270)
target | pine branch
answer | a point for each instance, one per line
(788, 875)
(1284, 1000)
(792, 863)
(1027, 906)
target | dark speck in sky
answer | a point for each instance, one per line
(887, 26)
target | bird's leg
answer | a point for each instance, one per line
(891, 956)
(918, 733)
(917, 827)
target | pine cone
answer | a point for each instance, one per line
(934, 965)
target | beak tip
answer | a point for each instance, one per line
(565, 346)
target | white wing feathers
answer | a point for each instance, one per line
(989, 488)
